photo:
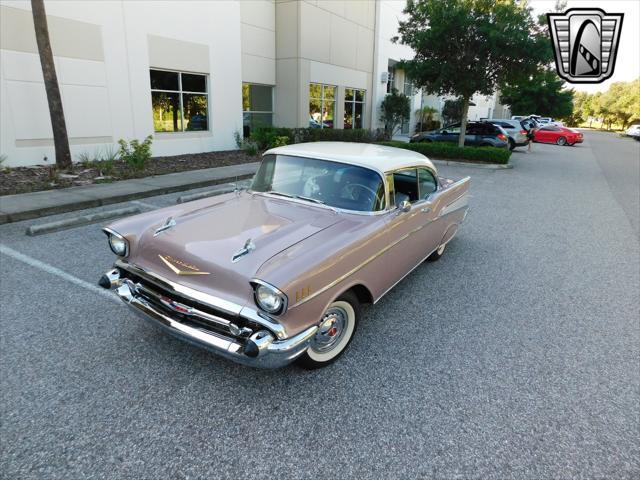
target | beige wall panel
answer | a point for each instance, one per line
(336, 75)
(358, 11)
(261, 13)
(178, 55)
(21, 66)
(258, 70)
(69, 38)
(315, 33)
(258, 41)
(29, 110)
(81, 72)
(287, 29)
(364, 49)
(333, 6)
(86, 111)
(286, 93)
(343, 42)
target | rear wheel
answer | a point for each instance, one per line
(336, 330)
(438, 253)
(562, 141)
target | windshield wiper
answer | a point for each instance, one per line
(297, 197)
(301, 197)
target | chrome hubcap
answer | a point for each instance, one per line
(331, 330)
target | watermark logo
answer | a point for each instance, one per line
(585, 42)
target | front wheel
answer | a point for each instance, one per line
(336, 330)
(561, 141)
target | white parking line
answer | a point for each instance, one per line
(21, 257)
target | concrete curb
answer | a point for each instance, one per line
(489, 166)
(26, 206)
(51, 227)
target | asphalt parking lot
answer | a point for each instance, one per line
(514, 356)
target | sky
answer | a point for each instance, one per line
(628, 62)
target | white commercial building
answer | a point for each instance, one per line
(194, 74)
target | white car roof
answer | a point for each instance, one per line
(377, 157)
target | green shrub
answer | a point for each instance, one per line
(448, 151)
(269, 137)
(135, 154)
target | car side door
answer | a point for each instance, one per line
(429, 207)
(404, 225)
(450, 134)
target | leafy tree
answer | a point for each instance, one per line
(542, 94)
(425, 118)
(452, 111)
(56, 112)
(395, 109)
(463, 47)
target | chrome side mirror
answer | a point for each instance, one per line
(405, 206)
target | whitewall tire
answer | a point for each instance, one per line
(335, 332)
(438, 253)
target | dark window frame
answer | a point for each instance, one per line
(180, 92)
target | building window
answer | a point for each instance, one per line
(391, 84)
(257, 107)
(180, 101)
(409, 89)
(354, 108)
(322, 105)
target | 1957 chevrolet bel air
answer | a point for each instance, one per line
(278, 272)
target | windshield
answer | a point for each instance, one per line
(334, 184)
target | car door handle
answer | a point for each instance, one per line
(425, 210)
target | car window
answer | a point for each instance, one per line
(452, 129)
(335, 184)
(405, 184)
(427, 183)
(473, 129)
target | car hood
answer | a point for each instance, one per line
(203, 241)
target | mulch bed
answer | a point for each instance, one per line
(33, 179)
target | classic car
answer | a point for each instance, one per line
(278, 272)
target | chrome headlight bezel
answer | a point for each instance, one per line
(259, 287)
(116, 237)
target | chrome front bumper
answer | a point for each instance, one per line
(262, 349)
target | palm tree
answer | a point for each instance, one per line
(56, 112)
(425, 116)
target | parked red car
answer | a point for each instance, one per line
(558, 135)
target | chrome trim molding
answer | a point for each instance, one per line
(362, 265)
(248, 247)
(270, 353)
(283, 296)
(376, 255)
(214, 302)
(108, 232)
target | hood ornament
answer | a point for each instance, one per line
(249, 246)
(169, 223)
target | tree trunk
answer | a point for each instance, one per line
(56, 112)
(463, 123)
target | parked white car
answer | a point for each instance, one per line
(633, 131)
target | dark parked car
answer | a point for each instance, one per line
(479, 134)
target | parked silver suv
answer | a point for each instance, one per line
(514, 128)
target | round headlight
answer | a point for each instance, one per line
(118, 245)
(268, 299)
